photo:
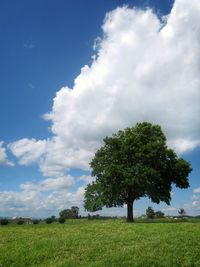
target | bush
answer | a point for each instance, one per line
(61, 220)
(49, 220)
(20, 222)
(4, 221)
(36, 221)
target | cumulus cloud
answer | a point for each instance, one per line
(34, 203)
(197, 190)
(28, 150)
(44, 198)
(193, 207)
(3, 156)
(143, 69)
(196, 199)
(49, 184)
(169, 209)
(86, 178)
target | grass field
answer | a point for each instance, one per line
(101, 243)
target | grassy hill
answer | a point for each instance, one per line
(104, 243)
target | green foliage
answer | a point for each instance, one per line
(135, 163)
(4, 221)
(49, 220)
(35, 221)
(53, 218)
(150, 213)
(61, 220)
(159, 214)
(20, 222)
(99, 243)
(70, 213)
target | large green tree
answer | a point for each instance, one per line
(135, 163)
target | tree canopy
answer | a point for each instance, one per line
(69, 213)
(135, 163)
(150, 213)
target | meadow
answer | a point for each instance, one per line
(101, 243)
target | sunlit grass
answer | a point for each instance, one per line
(101, 243)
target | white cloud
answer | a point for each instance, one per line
(86, 178)
(17, 201)
(197, 190)
(43, 198)
(3, 156)
(183, 145)
(34, 203)
(129, 82)
(141, 71)
(29, 45)
(49, 184)
(195, 205)
(195, 197)
(31, 86)
(60, 156)
(169, 209)
(28, 150)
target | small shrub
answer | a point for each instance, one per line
(49, 220)
(20, 222)
(36, 221)
(4, 221)
(61, 220)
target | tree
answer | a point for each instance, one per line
(75, 211)
(150, 213)
(65, 213)
(70, 213)
(134, 163)
(53, 218)
(159, 214)
(181, 212)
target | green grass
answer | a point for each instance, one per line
(103, 243)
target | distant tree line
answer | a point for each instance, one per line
(72, 213)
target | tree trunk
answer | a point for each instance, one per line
(130, 212)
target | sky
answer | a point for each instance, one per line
(73, 72)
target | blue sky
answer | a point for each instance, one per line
(49, 66)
